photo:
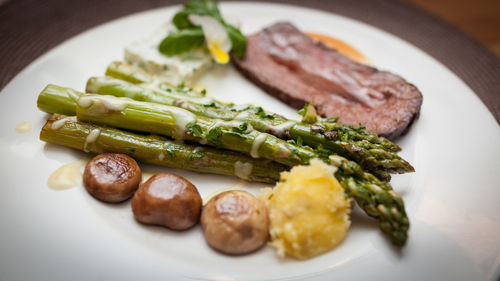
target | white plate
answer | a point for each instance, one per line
(452, 200)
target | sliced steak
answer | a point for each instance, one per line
(289, 65)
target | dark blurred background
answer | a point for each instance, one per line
(464, 35)
(480, 19)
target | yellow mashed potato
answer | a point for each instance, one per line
(308, 211)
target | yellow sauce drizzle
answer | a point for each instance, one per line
(23, 127)
(340, 46)
(67, 176)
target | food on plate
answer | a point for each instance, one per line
(111, 177)
(338, 45)
(158, 150)
(373, 153)
(67, 176)
(216, 37)
(374, 196)
(178, 69)
(179, 52)
(181, 124)
(167, 200)
(308, 211)
(235, 222)
(289, 65)
(137, 75)
(200, 23)
(23, 127)
(146, 109)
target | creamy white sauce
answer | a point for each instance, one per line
(85, 101)
(103, 103)
(100, 104)
(282, 128)
(233, 123)
(243, 170)
(240, 106)
(242, 116)
(23, 127)
(95, 83)
(161, 156)
(182, 118)
(217, 123)
(229, 124)
(281, 150)
(187, 98)
(257, 142)
(91, 138)
(74, 95)
(56, 125)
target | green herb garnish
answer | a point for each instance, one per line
(182, 41)
(194, 155)
(194, 129)
(188, 36)
(213, 136)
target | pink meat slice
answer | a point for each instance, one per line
(292, 67)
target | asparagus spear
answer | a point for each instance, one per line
(375, 197)
(137, 75)
(332, 136)
(181, 124)
(158, 150)
(57, 99)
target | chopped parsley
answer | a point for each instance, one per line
(171, 150)
(213, 136)
(194, 129)
(194, 155)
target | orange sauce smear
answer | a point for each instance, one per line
(340, 46)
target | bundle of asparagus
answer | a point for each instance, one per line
(248, 141)
(375, 154)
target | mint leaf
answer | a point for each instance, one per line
(202, 8)
(238, 41)
(181, 21)
(182, 41)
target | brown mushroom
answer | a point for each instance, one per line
(112, 177)
(235, 222)
(167, 200)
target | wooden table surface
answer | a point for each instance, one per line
(480, 19)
